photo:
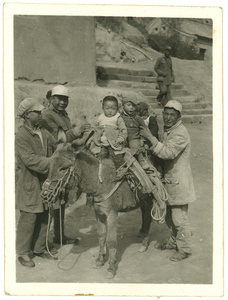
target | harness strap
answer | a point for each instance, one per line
(110, 193)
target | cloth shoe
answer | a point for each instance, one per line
(45, 255)
(164, 246)
(178, 256)
(29, 263)
(143, 163)
(53, 251)
(158, 102)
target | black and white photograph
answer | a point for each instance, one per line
(114, 175)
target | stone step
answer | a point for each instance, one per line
(125, 71)
(124, 77)
(175, 93)
(193, 119)
(182, 99)
(138, 85)
(187, 105)
(193, 112)
(206, 111)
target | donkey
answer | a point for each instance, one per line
(97, 178)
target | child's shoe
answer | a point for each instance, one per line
(143, 162)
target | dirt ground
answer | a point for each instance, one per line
(75, 263)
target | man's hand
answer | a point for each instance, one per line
(86, 127)
(145, 132)
(79, 130)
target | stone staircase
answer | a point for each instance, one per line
(145, 81)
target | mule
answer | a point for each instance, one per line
(97, 178)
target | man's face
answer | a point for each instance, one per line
(170, 117)
(167, 53)
(129, 108)
(34, 117)
(59, 102)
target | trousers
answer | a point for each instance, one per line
(31, 232)
(179, 225)
(165, 93)
(108, 152)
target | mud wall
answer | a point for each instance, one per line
(55, 49)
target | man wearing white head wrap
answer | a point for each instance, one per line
(174, 152)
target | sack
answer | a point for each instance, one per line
(160, 78)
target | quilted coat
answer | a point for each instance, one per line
(32, 159)
(175, 152)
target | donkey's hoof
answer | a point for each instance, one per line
(143, 249)
(98, 264)
(110, 275)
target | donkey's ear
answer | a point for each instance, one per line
(61, 135)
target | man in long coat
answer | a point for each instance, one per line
(34, 146)
(53, 118)
(174, 152)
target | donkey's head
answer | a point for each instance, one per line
(63, 172)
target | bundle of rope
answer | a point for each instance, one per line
(158, 211)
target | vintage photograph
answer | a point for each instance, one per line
(113, 123)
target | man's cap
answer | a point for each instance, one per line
(168, 48)
(28, 105)
(60, 90)
(174, 104)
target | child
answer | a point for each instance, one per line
(149, 120)
(111, 133)
(152, 124)
(133, 123)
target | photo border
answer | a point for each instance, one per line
(14, 288)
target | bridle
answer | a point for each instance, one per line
(55, 189)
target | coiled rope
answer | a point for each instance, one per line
(158, 211)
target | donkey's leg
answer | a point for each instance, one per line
(142, 229)
(112, 242)
(102, 233)
(147, 219)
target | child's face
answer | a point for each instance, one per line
(144, 115)
(110, 108)
(129, 108)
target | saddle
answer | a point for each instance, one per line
(131, 169)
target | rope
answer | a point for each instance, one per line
(158, 210)
(49, 198)
(71, 265)
(100, 171)
(157, 213)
